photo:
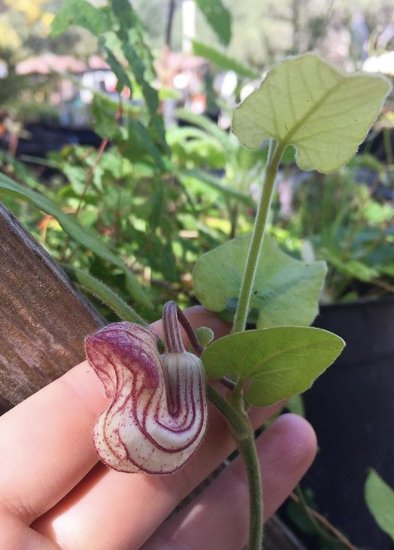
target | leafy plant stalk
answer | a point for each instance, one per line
(241, 314)
(245, 436)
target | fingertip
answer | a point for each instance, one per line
(286, 451)
(296, 437)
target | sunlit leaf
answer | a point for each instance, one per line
(324, 113)
(285, 291)
(380, 501)
(276, 362)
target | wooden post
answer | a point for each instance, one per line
(43, 320)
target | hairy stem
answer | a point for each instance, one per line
(274, 156)
(247, 448)
(244, 436)
(233, 409)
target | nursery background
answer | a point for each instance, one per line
(117, 155)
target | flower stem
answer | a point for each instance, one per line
(244, 436)
(274, 156)
(233, 408)
(247, 448)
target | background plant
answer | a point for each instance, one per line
(352, 229)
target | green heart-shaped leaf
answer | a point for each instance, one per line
(278, 362)
(380, 501)
(285, 290)
(306, 102)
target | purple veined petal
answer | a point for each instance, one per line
(158, 414)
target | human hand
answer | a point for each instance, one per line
(54, 494)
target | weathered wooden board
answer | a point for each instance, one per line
(43, 320)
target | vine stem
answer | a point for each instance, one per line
(241, 314)
(244, 436)
(233, 409)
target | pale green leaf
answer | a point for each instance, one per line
(285, 290)
(324, 113)
(277, 362)
(83, 235)
(380, 501)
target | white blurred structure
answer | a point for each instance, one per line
(380, 64)
(188, 24)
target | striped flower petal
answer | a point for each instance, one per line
(158, 414)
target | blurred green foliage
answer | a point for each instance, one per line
(153, 205)
(157, 198)
(345, 219)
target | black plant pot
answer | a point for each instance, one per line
(351, 408)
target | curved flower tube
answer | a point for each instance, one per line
(158, 414)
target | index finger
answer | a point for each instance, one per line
(49, 436)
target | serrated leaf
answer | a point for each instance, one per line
(277, 362)
(285, 291)
(222, 60)
(139, 57)
(218, 18)
(380, 501)
(81, 13)
(118, 69)
(324, 113)
(83, 235)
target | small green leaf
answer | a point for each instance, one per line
(205, 336)
(277, 362)
(139, 56)
(305, 102)
(218, 18)
(380, 501)
(222, 60)
(285, 291)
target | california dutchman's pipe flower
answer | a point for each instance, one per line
(158, 413)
